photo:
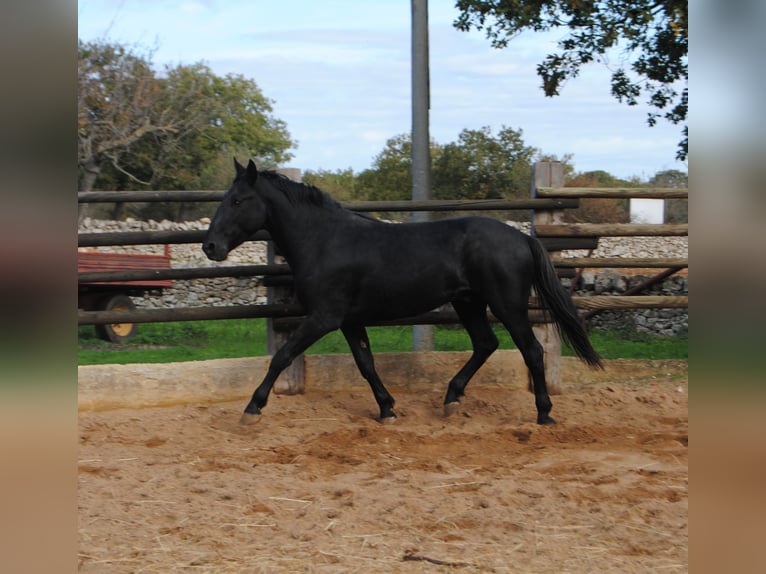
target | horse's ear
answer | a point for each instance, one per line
(252, 173)
(238, 167)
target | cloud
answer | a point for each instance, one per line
(339, 74)
(193, 7)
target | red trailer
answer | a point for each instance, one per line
(115, 295)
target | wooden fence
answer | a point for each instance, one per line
(548, 182)
(548, 202)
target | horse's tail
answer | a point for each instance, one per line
(559, 306)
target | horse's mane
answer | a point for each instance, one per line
(300, 193)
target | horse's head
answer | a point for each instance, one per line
(241, 213)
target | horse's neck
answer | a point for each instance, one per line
(298, 230)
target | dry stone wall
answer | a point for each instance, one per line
(249, 290)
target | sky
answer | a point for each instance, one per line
(338, 73)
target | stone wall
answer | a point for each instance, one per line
(247, 291)
(657, 321)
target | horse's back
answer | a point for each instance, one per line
(389, 270)
(448, 246)
(488, 239)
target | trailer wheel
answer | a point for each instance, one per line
(116, 332)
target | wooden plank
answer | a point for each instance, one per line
(147, 196)
(119, 261)
(548, 174)
(613, 230)
(293, 310)
(188, 314)
(632, 302)
(566, 243)
(110, 238)
(106, 265)
(620, 262)
(150, 237)
(462, 205)
(292, 380)
(624, 302)
(185, 273)
(380, 206)
(613, 192)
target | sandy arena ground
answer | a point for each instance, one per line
(320, 486)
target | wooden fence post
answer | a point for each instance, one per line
(291, 381)
(548, 174)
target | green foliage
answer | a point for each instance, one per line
(139, 129)
(599, 210)
(390, 177)
(676, 210)
(483, 166)
(342, 184)
(674, 178)
(652, 38)
(479, 165)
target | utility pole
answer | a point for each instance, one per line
(422, 335)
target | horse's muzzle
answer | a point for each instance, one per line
(215, 251)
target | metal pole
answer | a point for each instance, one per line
(422, 335)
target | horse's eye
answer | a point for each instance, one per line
(237, 202)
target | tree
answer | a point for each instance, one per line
(117, 105)
(653, 33)
(598, 210)
(390, 177)
(341, 184)
(177, 130)
(479, 165)
(676, 210)
(234, 120)
(483, 166)
(670, 178)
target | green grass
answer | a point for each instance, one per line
(201, 340)
(631, 345)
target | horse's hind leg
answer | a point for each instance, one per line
(473, 316)
(359, 343)
(518, 325)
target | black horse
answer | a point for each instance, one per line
(351, 269)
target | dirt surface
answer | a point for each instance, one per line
(320, 486)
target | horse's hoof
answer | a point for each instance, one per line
(388, 420)
(451, 408)
(249, 419)
(545, 420)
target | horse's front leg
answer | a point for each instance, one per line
(308, 332)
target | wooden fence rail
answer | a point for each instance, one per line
(187, 273)
(621, 262)
(295, 310)
(612, 230)
(183, 273)
(159, 237)
(613, 192)
(368, 206)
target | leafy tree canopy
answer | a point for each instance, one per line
(670, 178)
(174, 130)
(652, 33)
(481, 165)
(390, 176)
(341, 184)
